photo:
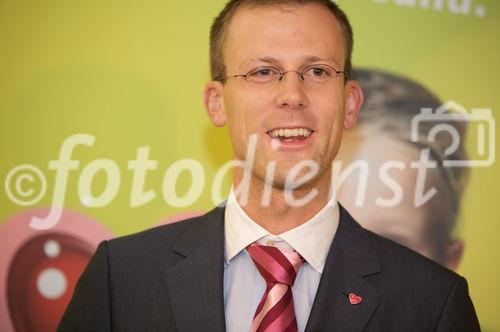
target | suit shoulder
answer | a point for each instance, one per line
(162, 231)
(404, 262)
(153, 241)
(429, 295)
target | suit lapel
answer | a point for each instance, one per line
(350, 260)
(195, 284)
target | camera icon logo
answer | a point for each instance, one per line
(479, 121)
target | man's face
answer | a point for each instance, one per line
(287, 38)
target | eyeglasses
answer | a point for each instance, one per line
(319, 74)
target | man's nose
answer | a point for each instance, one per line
(291, 91)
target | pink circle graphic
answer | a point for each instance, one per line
(39, 268)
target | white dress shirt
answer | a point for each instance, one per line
(243, 284)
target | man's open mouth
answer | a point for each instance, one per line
(290, 134)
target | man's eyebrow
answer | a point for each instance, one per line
(267, 59)
(307, 59)
(314, 58)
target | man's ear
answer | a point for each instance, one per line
(213, 103)
(353, 102)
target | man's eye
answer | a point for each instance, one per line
(262, 72)
(317, 71)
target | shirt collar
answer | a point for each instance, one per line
(312, 239)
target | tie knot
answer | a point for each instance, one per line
(276, 265)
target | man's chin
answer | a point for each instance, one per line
(282, 184)
(299, 175)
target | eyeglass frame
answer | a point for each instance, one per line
(281, 74)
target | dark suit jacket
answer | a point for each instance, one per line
(170, 278)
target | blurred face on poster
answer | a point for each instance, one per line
(284, 86)
(382, 137)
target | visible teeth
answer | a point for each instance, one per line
(291, 132)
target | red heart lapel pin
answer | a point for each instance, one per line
(354, 299)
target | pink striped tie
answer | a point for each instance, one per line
(279, 267)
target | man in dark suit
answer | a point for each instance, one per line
(282, 255)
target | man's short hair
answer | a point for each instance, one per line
(221, 23)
